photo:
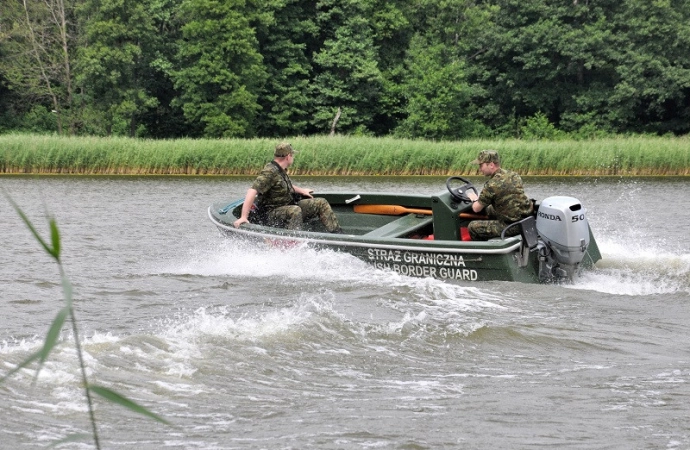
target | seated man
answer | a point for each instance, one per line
(280, 201)
(503, 196)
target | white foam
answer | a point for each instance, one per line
(242, 259)
(638, 268)
(204, 322)
(11, 346)
(180, 388)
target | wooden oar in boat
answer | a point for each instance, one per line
(397, 210)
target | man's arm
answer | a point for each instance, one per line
(477, 206)
(303, 191)
(246, 207)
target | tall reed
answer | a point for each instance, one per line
(341, 155)
(53, 248)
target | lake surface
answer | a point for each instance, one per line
(256, 348)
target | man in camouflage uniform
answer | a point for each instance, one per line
(503, 196)
(282, 203)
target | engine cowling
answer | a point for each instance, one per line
(562, 226)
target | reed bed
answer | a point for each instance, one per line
(340, 155)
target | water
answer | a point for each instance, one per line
(252, 348)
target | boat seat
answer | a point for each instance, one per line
(405, 225)
(528, 231)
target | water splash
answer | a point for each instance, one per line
(246, 260)
(638, 267)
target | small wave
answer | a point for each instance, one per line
(430, 314)
(325, 296)
(178, 345)
(10, 346)
(208, 322)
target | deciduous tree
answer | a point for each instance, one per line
(38, 52)
(347, 74)
(220, 72)
(285, 42)
(438, 95)
(115, 58)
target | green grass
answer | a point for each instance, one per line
(340, 155)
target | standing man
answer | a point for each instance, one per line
(280, 201)
(503, 196)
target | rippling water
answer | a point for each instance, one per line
(242, 347)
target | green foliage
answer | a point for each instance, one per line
(653, 67)
(221, 72)
(284, 41)
(616, 66)
(8, 115)
(438, 96)
(38, 46)
(439, 69)
(585, 126)
(116, 398)
(347, 75)
(120, 40)
(392, 31)
(538, 127)
(39, 120)
(48, 345)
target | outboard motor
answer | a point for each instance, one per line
(564, 231)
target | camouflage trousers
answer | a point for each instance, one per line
(483, 230)
(293, 216)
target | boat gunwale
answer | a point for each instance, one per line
(336, 240)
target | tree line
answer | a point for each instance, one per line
(431, 69)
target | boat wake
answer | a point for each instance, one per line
(626, 269)
(636, 269)
(246, 260)
(327, 277)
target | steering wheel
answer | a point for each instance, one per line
(460, 193)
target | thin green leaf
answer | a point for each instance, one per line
(67, 291)
(21, 365)
(55, 238)
(48, 345)
(114, 397)
(51, 338)
(53, 333)
(31, 228)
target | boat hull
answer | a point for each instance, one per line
(405, 240)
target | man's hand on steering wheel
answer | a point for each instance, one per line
(465, 193)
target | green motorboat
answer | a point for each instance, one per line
(423, 236)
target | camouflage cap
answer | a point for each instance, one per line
(487, 156)
(284, 149)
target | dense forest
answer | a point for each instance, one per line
(430, 69)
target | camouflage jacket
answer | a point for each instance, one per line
(505, 193)
(274, 187)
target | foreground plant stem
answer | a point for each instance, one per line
(82, 366)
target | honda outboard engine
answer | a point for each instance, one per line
(564, 231)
